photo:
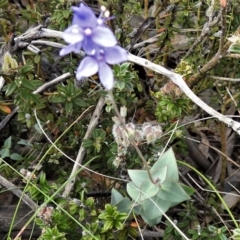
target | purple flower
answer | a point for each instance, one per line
(91, 34)
(98, 62)
(87, 31)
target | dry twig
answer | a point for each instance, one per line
(15, 190)
(81, 152)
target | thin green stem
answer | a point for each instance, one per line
(28, 180)
(214, 190)
(50, 199)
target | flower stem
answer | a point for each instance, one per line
(129, 135)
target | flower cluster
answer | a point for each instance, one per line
(145, 133)
(91, 34)
(139, 133)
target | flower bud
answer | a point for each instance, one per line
(9, 63)
(117, 134)
(123, 111)
(157, 130)
(147, 129)
(116, 121)
(138, 136)
(131, 129)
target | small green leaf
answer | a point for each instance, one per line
(37, 59)
(27, 68)
(34, 98)
(170, 106)
(57, 99)
(16, 156)
(108, 108)
(66, 13)
(5, 152)
(29, 123)
(25, 143)
(42, 179)
(235, 48)
(107, 226)
(82, 214)
(87, 143)
(68, 107)
(187, 189)
(212, 228)
(3, 3)
(8, 143)
(96, 133)
(11, 88)
(28, 84)
(80, 102)
(121, 85)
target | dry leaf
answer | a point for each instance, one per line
(231, 199)
(5, 109)
(223, 3)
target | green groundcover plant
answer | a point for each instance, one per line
(134, 150)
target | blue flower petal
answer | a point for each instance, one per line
(66, 50)
(103, 36)
(73, 34)
(106, 75)
(84, 17)
(89, 46)
(87, 68)
(71, 48)
(115, 55)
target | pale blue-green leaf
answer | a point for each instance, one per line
(116, 197)
(138, 176)
(155, 210)
(133, 192)
(159, 175)
(125, 205)
(137, 208)
(167, 159)
(148, 189)
(150, 221)
(171, 191)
